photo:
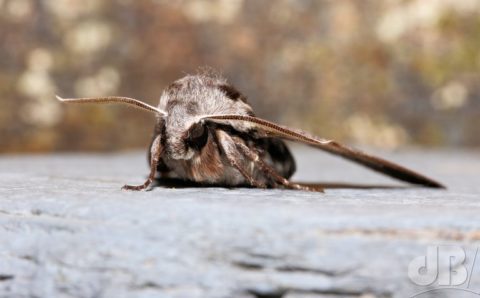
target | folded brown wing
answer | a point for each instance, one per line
(268, 129)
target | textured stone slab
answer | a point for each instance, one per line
(67, 230)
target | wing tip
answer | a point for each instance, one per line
(435, 184)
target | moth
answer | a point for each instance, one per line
(207, 133)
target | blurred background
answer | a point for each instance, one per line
(386, 73)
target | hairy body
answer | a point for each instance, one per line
(202, 159)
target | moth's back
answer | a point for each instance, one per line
(203, 94)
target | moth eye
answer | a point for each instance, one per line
(197, 136)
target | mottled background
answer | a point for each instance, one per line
(384, 73)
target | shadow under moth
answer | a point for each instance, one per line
(207, 133)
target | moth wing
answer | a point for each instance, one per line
(278, 154)
(264, 128)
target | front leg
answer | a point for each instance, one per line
(269, 171)
(156, 151)
(235, 158)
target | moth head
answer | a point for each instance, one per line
(196, 136)
(184, 142)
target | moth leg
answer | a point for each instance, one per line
(270, 171)
(156, 150)
(234, 156)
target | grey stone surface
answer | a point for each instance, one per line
(67, 230)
